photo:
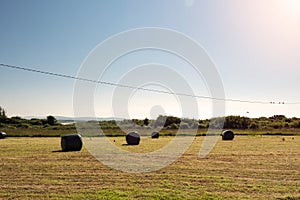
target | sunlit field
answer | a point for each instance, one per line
(249, 167)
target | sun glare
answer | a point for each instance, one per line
(292, 6)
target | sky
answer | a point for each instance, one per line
(254, 44)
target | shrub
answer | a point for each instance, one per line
(184, 125)
(253, 125)
(173, 126)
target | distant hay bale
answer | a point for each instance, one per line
(227, 135)
(71, 142)
(2, 135)
(133, 138)
(155, 135)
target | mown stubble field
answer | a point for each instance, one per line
(250, 167)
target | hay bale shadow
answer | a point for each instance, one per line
(57, 151)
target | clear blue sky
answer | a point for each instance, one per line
(255, 45)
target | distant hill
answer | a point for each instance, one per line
(63, 119)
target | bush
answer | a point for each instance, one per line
(184, 125)
(237, 122)
(276, 125)
(173, 126)
(23, 125)
(254, 125)
(202, 126)
(295, 124)
(51, 120)
(36, 122)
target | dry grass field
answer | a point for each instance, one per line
(250, 167)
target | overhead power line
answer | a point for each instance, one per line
(137, 88)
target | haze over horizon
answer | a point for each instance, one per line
(255, 46)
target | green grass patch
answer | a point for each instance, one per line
(47, 132)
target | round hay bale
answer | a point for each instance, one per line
(155, 135)
(133, 138)
(71, 142)
(2, 135)
(227, 135)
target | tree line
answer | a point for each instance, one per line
(230, 122)
(164, 122)
(18, 122)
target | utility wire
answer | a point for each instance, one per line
(137, 88)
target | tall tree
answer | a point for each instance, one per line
(51, 120)
(146, 121)
(2, 112)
